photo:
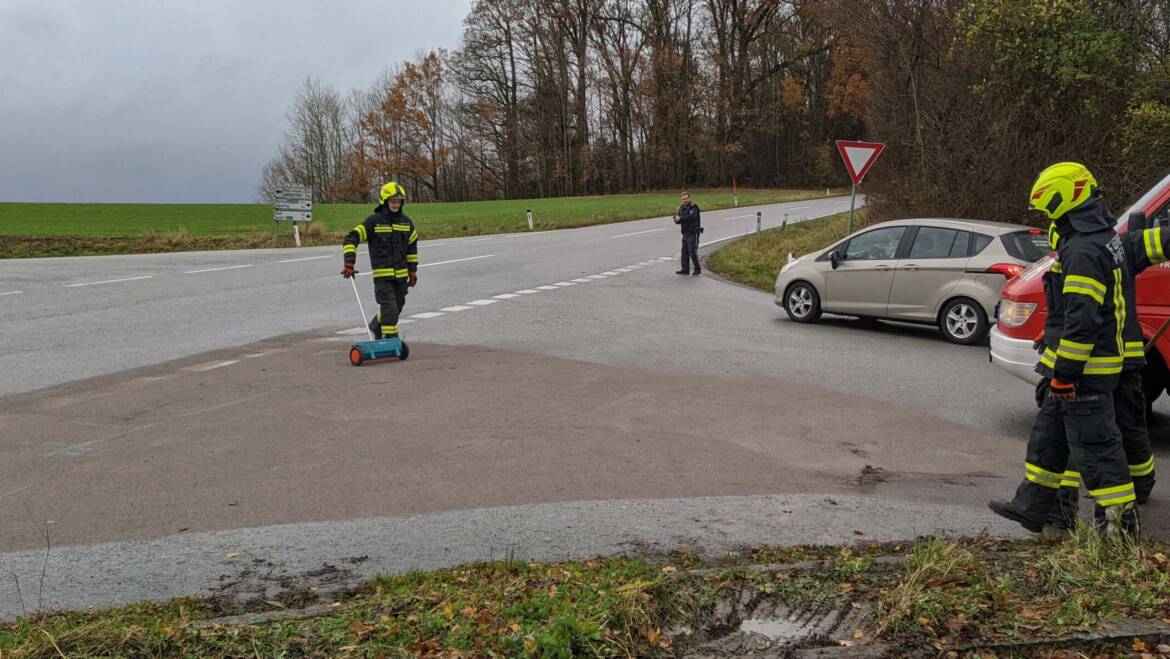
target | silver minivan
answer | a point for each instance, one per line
(943, 272)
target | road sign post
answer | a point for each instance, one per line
(292, 203)
(530, 219)
(858, 158)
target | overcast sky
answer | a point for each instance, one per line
(169, 101)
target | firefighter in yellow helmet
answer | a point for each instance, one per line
(393, 244)
(1087, 291)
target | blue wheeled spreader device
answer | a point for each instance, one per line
(375, 348)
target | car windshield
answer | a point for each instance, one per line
(1140, 204)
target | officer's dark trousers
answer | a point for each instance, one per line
(390, 294)
(1082, 432)
(690, 251)
(1129, 409)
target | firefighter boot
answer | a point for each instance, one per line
(1117, 522)
(1062, 521)
(376, 326)
(1009, 510)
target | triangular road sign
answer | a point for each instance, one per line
(859, 157)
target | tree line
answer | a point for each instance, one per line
(569, 97)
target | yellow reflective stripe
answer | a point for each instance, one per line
(414, 236)
(1135, 349)
(1089, 282)
(1076, 357)
(389, 329)
(1144, 469)
(1070, 479)
(1057, 268)
(1113, 496)
(1119, 309)
(1073, 350)
(383, 272)
(400, 227)
(1104, 365)
(349, 249)
(401, 272)
(1048, 358)
(383, 229)
(1153, 240)
(361, 231)
(1041, 476)
(1065, 343)
(1083, 289)
(412, 258)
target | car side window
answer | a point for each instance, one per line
(979, 242)
(959, 249)
(933, 243)
(876, 245)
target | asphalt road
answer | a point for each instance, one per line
(567, 395)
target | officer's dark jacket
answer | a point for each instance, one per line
(1086, 296)
(393, 243)
(689, 218)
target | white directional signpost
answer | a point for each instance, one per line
(292, 203)
(858, 157)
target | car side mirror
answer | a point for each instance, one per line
(1137, 221)
(834, 259)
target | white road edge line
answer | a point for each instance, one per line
(11, 293)
(226, 267)
(638, 233)
(108, 281)
(213, 365)
(470, 258)
(307, 258)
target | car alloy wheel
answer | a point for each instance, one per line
(962, 321)
(800, 301)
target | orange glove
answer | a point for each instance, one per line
(347, 270)
(1062, 390)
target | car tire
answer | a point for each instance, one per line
(802, 302)
(963, 321)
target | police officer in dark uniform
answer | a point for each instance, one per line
(393, 257)
(688, 219)
(1087, 301)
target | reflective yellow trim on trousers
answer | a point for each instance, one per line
(389, 330)
(1153, 240)
(1071, 479)
(1144, 469)
(1113, 496)
(361, 231)
(1041, 476)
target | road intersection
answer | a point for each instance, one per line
(183, 418)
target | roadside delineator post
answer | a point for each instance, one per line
(759, 221)
(530, 219)
(858, 158)
(785, 222)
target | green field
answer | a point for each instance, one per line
(435, 220)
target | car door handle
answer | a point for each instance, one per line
(882, 268)
(912, 266)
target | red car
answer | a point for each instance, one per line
(1021, 312)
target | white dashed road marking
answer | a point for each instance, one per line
(458, 307)
(610, 273)
(638, 233)
(11, 293)
(547, 288)
(226, 267)
(505, 296)
(212, 365)
(583, 280)
(426, 314)
(307, 258)
(564, 284)
(595, 277)
(470, 258)
(109, 281)
(527, 291)
(482, 303)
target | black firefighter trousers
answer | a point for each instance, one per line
(1083, 432)
(1129, 408)
(390, 294)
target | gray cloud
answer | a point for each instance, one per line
(162, 101)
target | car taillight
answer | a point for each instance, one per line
(1008, 270)
(1014, 314)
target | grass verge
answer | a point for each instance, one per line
(756, 259)
(934, 595)
(28, 229)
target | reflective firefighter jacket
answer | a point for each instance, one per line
(1087, 295)
(393, 243)
(1142, 249)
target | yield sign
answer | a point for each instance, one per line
(859, 157)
